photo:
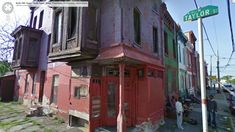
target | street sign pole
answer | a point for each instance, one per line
(193, 15)
(202, 77)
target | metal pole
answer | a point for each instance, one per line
(218, 72)
(202, 77)
(211, 72)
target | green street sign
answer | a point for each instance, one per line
(201, 12)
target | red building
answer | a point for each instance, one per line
(106, 63)
(7, 88)
(192, 59)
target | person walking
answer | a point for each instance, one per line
(212, 109)
(179, 112)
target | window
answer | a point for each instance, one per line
(151, 73)
(41, 19)
(174, 48)
(141, 73)
(57, 27)
(81, 71)
(34, 22)
(80, 92)
(26, 84)
(72, 22)
(19, 49)
(137, 26)
(155, 40)
(92, 14)
(112, 71)
(180, 52)
(34, 83)
(166, 42)
(54, 89)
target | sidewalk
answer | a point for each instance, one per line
(223, 118)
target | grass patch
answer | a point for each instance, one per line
(47, 130)
(228, 124)
(59, 120)
(7, 125)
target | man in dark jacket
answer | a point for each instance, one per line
(212, 109)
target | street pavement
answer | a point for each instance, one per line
(223, 118)
(13, 119)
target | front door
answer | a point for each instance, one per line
(112, 85)
(112, 99)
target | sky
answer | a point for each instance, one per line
(217, 28)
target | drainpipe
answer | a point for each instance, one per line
(121, 121)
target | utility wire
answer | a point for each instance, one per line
(231, 30)
(206, 33)
(230, 24)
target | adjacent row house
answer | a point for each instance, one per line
(111, 64)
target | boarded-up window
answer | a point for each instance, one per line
(72, 22)
(137, 31)
(57, 27)
(80, 92)
(26, 88)
(34, 83)
(54, 89)
(41, 19)
(155, 40)
(166, 43)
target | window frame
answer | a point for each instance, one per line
(69, 26)
(56, 42)
(77, 92)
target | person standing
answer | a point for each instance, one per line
(179, 112)
(212, 109)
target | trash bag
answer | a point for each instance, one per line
(192, 121)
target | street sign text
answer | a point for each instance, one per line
(201, 12)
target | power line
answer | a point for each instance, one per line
(231, 30)
(206, 32)
(230, 24)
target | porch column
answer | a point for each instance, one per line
(121, 121)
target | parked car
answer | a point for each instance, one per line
(227, 87)
(231, 100)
